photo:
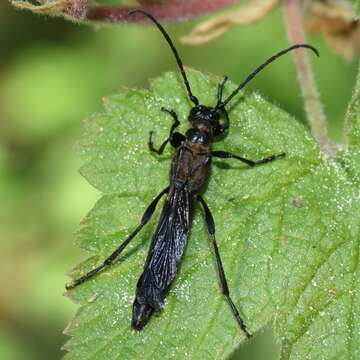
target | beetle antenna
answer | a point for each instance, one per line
(222, 104)
(193, 98)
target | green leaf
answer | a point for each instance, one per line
(288, 233)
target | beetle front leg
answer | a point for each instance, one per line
(174, 138)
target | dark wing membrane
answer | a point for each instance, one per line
(166, 250)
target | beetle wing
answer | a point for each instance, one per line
(167, 247)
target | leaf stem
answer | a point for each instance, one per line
(351, 114)
(313, 106)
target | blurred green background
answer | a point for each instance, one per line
(53, 74)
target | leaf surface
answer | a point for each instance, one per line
(288, 233)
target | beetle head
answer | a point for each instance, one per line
(208, 119)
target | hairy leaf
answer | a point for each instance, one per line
(288, 233)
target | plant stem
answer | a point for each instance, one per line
(170, 10)
(352, 121)
(313, 106)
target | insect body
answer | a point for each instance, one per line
(189, 172)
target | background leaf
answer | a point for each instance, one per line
(287, 232)
(357, 7)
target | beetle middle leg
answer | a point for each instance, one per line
(251, 163)
(224, 285)
(174, 138)
(111, 259)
